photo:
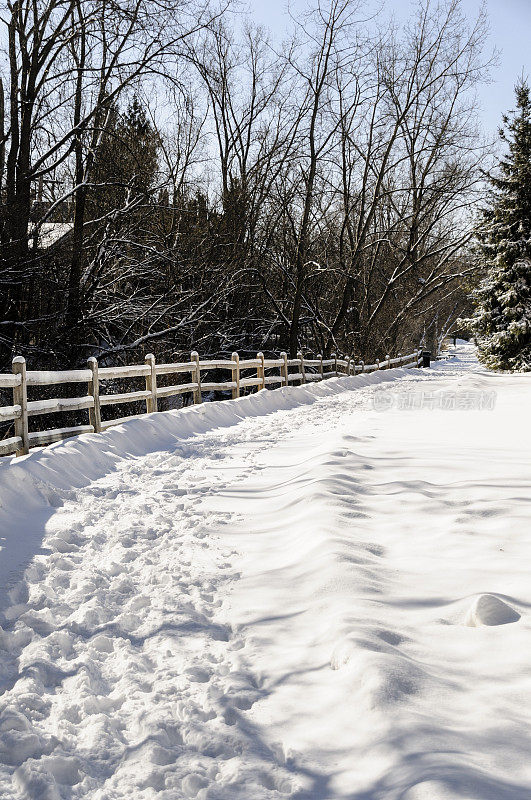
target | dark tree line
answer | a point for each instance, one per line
(167, 183)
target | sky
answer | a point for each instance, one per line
(510, 34)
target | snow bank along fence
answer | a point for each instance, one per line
(306, 370)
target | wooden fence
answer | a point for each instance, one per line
(290, 370)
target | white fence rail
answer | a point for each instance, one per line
(96, 378)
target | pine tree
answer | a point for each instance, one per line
(502, 321)
(127, 160)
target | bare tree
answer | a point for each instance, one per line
(316, 195)
(69, 60)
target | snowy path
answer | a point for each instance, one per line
(293, 595)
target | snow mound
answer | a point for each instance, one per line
(487, 609)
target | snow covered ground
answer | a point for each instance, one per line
(319, 592)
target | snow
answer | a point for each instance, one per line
(290, 595)
(49, 233)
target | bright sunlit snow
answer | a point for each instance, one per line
(317, 592)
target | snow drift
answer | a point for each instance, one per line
(292, 594)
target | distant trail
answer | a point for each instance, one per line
(295, 595)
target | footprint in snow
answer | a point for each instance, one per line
(198, 675)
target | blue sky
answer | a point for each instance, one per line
(510, 33)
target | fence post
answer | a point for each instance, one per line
(377, 363)
(284, 368)
(260, 371)
(362, 364)
(334, 356)
(321, 368)
(151, 384)
(196, 373)
(20, 398)
(400, 357)
(236, 376)
(388, 357)
(348, 365)
(301, 359)
(94, 390)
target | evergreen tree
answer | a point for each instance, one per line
(502, 321)
(127, 161)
